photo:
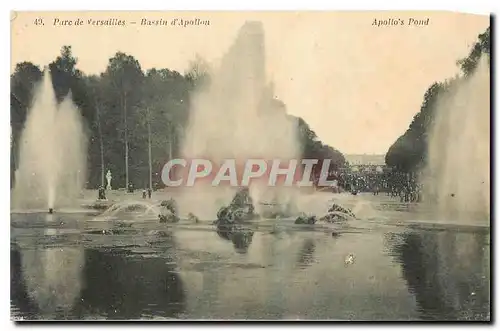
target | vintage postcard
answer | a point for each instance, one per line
(250, 166)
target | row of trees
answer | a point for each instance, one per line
(131, 116)
(409, 152)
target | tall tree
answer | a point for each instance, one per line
(199, 72)
(132, 116)
(482, 46)
(165, 106)
(93, 85)
(64, 73)
(409, 152)
(125, 76)
(313, 148)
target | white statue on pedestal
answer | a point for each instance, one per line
(108, 178)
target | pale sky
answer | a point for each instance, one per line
(357, 85)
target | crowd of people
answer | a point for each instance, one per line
(395, 184)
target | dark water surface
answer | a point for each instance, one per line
(67, 267)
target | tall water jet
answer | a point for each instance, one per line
(237, 117)
(52, 156)
(457, 179)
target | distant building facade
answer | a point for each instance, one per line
(366, 163)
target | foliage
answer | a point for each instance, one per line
(123, 108)
(482, 46)
(409, 151)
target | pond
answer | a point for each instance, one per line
(67, 266)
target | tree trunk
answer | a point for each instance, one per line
(13, 160)
(149, 152)
(170, 135)
(126, 141)
(101, 143)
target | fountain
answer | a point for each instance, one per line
(144, 208)
(164, 211)
(457, 178)
(52, 155)
(236, 117)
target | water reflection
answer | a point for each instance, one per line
(306, 253)
(448, 272)
(51, 275)
(65, 283)
(410, 275)
(240, 237)
(269, 282)
(119, 286)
